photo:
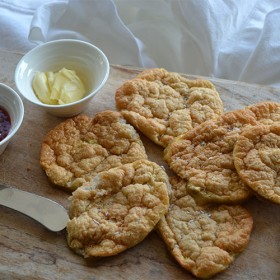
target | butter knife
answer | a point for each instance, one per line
(47, 212)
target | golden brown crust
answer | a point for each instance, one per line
(257, 160)
(265, 112)
(163, 104)
(78, 148)
(117, 209)
(175, 80)
(203, 156)
(204, 239)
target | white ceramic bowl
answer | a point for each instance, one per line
(89, 62)
(12, 103)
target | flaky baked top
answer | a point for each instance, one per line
(78, 148)
(203, 156)
(256, 157)
(164, 104)
(203, 239)
(117, 209)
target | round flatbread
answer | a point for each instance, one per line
(117, 209)
(256, 157)
(203, 156)
(204, 240)
(163, 105)
(265, 112)
(78, 148)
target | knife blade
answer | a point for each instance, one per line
(49, 213)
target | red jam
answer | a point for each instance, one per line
(5, 123)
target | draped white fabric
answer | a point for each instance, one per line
(230, 39)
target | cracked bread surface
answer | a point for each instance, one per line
(117, 209)
(257, 160)
(204, 239)
(79, 148)
(203, 157)
(163, 105)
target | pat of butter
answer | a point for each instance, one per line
(62, 87)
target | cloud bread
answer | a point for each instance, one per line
(78, 148)
(256, 157)
(117, 209)
(163, 105)
(203, 156)
(266, 112)
(205, 240)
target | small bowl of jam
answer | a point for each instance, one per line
(11, 115)
(5, 123)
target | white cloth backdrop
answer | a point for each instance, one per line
(230, 39)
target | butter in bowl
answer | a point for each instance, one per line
(62, 76)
